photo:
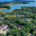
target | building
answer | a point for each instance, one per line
(28, 19)
(1, 19)
(35, 34)
(3, 26)
(20, 15)
(29, 34)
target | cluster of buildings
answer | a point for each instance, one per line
(20, 26)
(3, 26)
(28, 19)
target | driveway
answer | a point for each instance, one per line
(4, 31)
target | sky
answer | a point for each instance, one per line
(8, 0)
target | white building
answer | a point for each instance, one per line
(3, 26)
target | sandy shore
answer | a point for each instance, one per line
(2, 8)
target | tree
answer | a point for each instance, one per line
(1, 34)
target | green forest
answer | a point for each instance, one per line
(23, 28)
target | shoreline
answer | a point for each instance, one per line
(12, 4)
(2, 8)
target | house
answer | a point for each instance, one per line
(3, 26)
(1, 18)
(35, 25)
(29, 12)
(35, 34)
(28, 19)
(29, 34)
(20, 15)
(21, 26)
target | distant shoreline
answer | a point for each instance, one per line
(2, 8)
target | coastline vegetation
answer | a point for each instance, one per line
(5, 7)
(2, 8)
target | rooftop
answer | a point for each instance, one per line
(3, 25)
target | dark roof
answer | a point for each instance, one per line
(35, 34)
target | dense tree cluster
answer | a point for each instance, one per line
(19, 27)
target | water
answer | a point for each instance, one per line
(13, 7)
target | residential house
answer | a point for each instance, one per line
(35, 34)
(21, 26)
(3, 26)
(35, 27)
(28, 19)
(20, 15)
(29, 34)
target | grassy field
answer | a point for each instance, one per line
(9, 16)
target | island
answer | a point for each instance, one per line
(2, 6)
